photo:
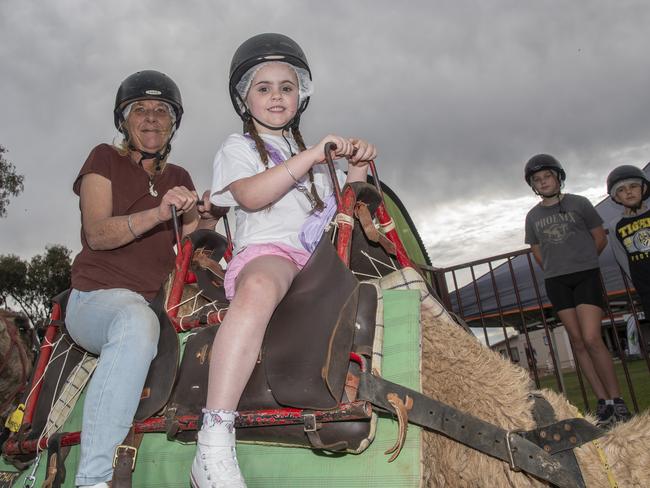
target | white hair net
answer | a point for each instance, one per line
(624, 182)
(305, 85)
(170, 109)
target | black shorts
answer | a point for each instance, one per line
(573, 289)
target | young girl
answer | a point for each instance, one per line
(566, 236)
(275, 183)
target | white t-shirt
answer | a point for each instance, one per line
(281, 222)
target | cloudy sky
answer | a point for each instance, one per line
(457, 95)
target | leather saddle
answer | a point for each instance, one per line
(304, 361)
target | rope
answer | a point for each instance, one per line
(344, 219)
(603, 460)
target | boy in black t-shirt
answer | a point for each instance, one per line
(628, 186)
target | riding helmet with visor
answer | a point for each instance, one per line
(266, 48)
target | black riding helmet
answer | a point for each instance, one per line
(627, 172)
(147, 85)
(260, 49)
(540, 162)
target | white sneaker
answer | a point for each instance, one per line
(215, 463)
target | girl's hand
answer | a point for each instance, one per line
(208, 211)
(363, 152)
(179, 196)
(344, 148)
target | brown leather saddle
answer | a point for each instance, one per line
(304, 361)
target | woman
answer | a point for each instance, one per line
(125, 194)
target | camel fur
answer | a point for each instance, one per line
(460, 371)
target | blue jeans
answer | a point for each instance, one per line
(118, 325)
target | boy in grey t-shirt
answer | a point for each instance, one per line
(566, 236)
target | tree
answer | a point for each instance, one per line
(11, 184)
(33, 284)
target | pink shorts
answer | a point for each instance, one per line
(299, 257)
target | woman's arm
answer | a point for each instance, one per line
(104, 232)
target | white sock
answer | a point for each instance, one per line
(219, 420)
(609, 402)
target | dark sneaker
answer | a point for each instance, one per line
(605, 417)
(621, 411)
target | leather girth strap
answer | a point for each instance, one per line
(124, 460)
(557, 438)
(512, 447)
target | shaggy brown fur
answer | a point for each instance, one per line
(460, 371)
(15, 361)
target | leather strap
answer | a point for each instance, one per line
(124, 460)
(56, 455)
(311, 430)
(363, 214)
(489, 439)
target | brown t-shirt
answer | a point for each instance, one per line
(143, 264)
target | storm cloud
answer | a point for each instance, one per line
(457, 95)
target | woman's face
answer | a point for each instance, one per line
(149, 125)
(273, 96)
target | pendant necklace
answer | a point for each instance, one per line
(152, 190)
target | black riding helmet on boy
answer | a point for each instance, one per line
(148, 85)
(265, 48)
(627, 172)
(541, 162)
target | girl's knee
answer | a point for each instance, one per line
(259, 286)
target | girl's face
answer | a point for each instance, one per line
(629, 194)
(546, 183)
(273, 96)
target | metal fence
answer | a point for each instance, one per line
(503, 299)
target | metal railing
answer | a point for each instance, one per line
(503, 293)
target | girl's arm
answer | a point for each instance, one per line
(537, 254)
(105, 232)
(258, 191)
(600, 238)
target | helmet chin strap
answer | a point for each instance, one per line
(157, 156)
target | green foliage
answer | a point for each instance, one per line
(33, 284)
(11, 184)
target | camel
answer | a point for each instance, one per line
(459, 370)
(16, 359)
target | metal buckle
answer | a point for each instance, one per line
(127, 449)
(310, 422)
(509, 447)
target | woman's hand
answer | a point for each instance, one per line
(181, 198)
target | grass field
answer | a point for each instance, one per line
(639, 376)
